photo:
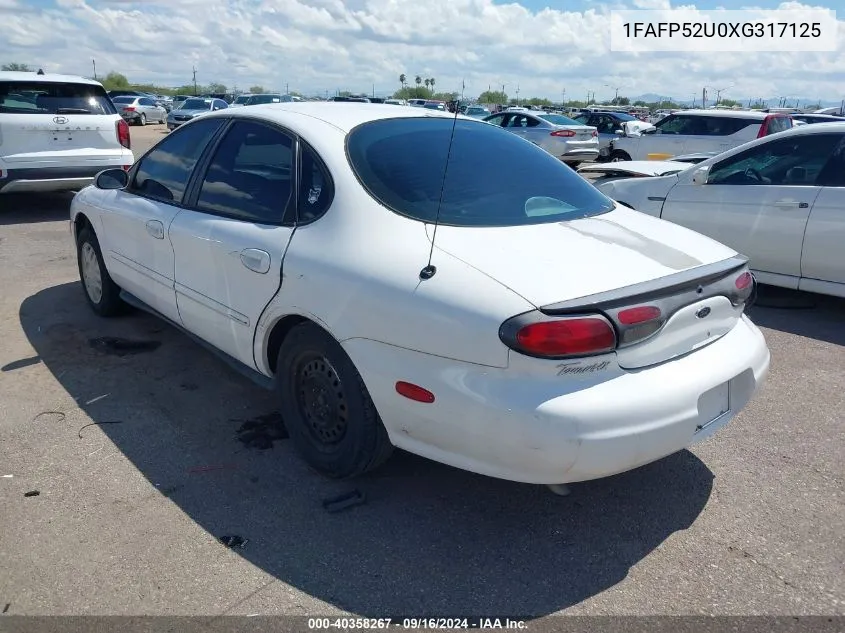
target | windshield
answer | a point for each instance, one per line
(47, 97)
(533, 187)
(558, 119)
(259, 99)
(621, 116)
(195, 104)
(242, 99)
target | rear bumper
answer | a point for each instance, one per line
(51, 179)
(580, 154)
(512, 425)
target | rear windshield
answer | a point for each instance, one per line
(196, 104)
(558, 119)
(43, 97)
(531, 187)
(258, 99)
(124, 99)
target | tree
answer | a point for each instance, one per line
(427, 83)
(115, 81)
(216, 88)
(257, 90)
(16, 66)
(728, 103)
(409, 92)
(492, 96)
(418, 80)
(431, 83)
(402, 79)
(622, 101)
(538, 101)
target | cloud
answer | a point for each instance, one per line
(318, 46)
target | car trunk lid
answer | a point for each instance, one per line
(623, 265)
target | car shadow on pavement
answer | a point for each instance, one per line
(807, 314)
(429, 539)
(19, 208)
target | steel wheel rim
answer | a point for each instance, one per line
(91, 273)
(321, 399)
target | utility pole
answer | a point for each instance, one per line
(195, 80)
(704, 97)
(287, 89)
(517, 94)
(563, 98)
(94, 62)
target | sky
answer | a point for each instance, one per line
(543, 47)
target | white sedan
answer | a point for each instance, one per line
(508, 320)
(780, 200)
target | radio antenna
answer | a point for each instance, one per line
(428, 271)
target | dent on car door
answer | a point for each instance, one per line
(230, 244)
(823, 255)
(139, 253)
(757, 202)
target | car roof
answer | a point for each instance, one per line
(16, 75)
(731, 114)
(341, 115)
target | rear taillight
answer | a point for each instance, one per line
(640, 314)
(563, 133)
(562, 337)
(744, 281)
(122, 130)
(595, 133)
(129, 109)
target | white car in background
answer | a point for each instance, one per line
(780, 200)
(57, 132)
(696, 131)
(509, 319)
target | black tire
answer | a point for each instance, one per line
(142, 120)
(619, 155)
(109, 302)
(574, 164)
(325, 406)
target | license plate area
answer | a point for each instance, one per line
(713, 405)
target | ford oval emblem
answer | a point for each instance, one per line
(703, 312)
(59, 120)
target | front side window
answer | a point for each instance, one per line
(789, 161)
(496, 119)
(163, 174)
(533, 187)
(49, 97)
(680, 124)
(250, 176)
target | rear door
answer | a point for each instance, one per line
(44, 124)
(757, 202)
(823, 255)
(230, 244)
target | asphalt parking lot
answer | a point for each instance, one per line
(145, 454)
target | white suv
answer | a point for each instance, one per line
(691, 131)
(57, 132)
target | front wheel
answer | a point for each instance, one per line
(619, 156)
(102, 293)
(325, 406)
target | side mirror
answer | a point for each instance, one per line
(619, 131)
(699, 176)
(111, 179)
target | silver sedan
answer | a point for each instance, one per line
(560, 136)
(139, 110)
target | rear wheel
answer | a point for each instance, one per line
(143, 119)
(619, 156)
(102, 293)
(326, 407)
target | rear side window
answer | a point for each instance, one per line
(777, 124)
(703, 125)
(45, 97)
(533, 187)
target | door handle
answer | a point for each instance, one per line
(156, 229)
(791, 204)
(256, 260)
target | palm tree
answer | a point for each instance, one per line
(431, 82)
(418, 79)
(426, 83)
(402, 79)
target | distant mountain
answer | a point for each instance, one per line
(771, 101)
